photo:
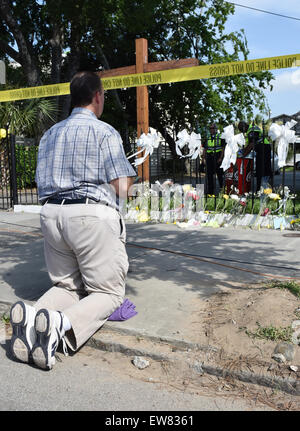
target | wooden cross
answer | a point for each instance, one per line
(142, 99)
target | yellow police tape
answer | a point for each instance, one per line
(163, 77)
(35, 92)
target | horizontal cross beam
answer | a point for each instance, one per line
(150, 67)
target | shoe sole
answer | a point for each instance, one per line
(19, 344)
(40, 351)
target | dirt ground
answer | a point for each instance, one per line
(230, 316)
(221, 322)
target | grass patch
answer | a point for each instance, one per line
(292, 286)
(5, 319)
(272, 333)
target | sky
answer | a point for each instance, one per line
(271, 36)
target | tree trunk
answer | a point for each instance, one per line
(56, 43)
(23, 56)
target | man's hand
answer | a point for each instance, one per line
(122, 185)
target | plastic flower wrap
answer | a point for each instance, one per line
(193, 141)
(233, 143)
(142, 195)
(190, 198)
(132, 215)
(282, 200)
(143, 216)
(284, 136)
(154, 201)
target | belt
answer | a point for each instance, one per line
(60, 201)
(212, 150)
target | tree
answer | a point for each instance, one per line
(55, 39)
(27, 118)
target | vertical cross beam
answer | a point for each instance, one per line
(141, 55)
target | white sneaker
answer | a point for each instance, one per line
(22, 317)
(49, 331)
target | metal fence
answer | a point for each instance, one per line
(185, 171)
(18, 157)
(6, 200)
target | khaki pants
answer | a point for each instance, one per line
(87, 263)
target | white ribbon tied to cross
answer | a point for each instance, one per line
(284, 136)
(193, 141)
(146, 142)
(233, 143)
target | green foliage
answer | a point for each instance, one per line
(65, 36)
(292, 286)
(27, 118)
(253, 206)
(26, 157)
(271, 333)
(5, 319)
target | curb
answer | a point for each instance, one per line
(173, 351)
(176, 352)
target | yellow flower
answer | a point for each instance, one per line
(137, 208)
(297, 220)
(143, 217)
(2, 133)
(225, 196)
(274, 196)
(186, 188)
(267, 191)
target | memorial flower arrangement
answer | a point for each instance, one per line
(187, 206)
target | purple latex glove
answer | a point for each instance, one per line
(124, 312)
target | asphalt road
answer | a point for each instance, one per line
(92, 380)
(288, 180)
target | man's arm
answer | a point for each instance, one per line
(122, 185)
(223, 144)
(248, 149)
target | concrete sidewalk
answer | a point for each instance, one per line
(172, 271)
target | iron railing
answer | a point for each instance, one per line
(18, 157)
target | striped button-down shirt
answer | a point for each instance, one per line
(79, 157)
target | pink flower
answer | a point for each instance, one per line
(193, 195)
(266, 212)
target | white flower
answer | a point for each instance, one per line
(235, 197)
